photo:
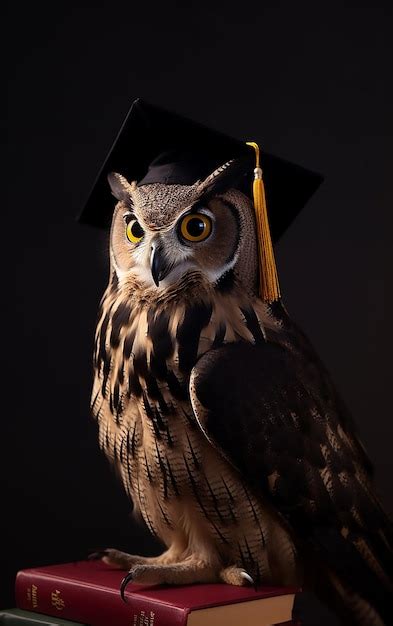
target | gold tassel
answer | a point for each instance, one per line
(269, 288)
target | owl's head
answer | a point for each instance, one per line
(163, 233)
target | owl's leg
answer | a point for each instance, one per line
(189, 571)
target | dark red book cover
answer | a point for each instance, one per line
(88, 592)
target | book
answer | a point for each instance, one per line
(88, 592)
(17, 617)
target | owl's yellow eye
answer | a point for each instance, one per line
(134, 231)
(195, 227)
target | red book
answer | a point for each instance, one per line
(88, 592)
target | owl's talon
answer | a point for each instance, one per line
(127, 579)
(247, 577)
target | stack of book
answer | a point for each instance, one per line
(87, 592)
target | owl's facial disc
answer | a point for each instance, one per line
(202, 238)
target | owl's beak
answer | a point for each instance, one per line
(158, 264)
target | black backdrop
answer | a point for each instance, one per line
(313, 83)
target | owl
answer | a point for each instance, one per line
(222, 423)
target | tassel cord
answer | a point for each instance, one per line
(269, 288)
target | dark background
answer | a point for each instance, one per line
(312, 83)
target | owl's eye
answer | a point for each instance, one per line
(195, 227)
(134, 231)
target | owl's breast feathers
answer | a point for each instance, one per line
(144, 354)
(146, 350)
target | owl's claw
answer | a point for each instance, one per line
(247, 577)
(127, 579)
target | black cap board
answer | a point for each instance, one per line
(155, 145)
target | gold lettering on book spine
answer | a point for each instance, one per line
(57, 601)
(32, 596)
(143, 618)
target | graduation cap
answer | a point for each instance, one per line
(157, 146)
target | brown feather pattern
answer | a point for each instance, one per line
(145, 352)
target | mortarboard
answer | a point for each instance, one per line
(155, 145)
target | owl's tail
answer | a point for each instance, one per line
(358, 580)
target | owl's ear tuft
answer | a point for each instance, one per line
(223, 177)
(120, 186)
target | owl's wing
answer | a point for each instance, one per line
(270, 413)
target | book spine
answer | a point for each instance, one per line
(89, 604)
